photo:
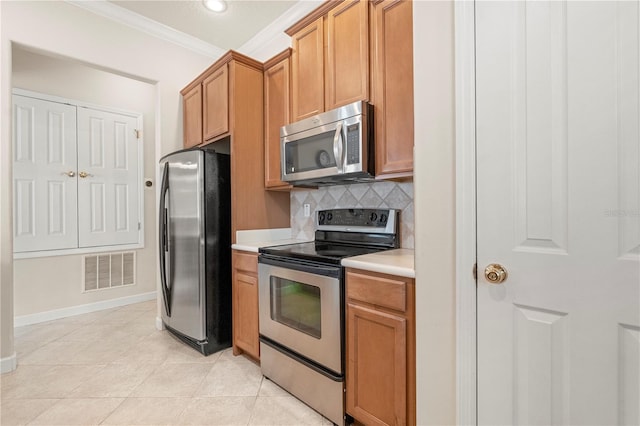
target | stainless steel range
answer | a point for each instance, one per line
(301, 300)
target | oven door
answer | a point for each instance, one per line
(300, 308)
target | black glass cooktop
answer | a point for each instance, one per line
(319, 251)
(344, 233)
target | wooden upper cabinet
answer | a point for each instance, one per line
(233, 119)
(392, 89)
(307, 70)
(277, 113)
(192, 113)
(330, 59)
(215, 103)
(347, 73)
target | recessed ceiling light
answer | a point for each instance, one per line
(215, 5)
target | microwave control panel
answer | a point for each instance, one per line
(353, 144)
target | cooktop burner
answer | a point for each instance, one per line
(344, 233)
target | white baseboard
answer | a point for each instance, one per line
(8, 364)
(81, 309)
(159, 324)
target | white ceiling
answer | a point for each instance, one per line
(230, 29)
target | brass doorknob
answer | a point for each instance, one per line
(84, 174)
(495, 273)
(70, 173)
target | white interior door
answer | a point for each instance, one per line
(44, 170)
(108, 179)
(558, 178)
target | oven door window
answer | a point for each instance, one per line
(296, 305)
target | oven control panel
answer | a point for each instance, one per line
(357, 219)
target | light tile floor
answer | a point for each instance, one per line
(114, 368)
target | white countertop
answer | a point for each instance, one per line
(252, 240)
(394, 262)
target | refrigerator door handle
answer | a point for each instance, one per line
(164, 239)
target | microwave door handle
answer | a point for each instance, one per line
(338, 148)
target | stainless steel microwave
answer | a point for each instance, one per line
(335, 147)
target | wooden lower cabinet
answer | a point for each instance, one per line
(380, 333)
(245, 304)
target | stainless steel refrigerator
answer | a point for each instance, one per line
(195, 248)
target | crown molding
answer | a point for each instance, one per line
(256, 46)
(134, 20)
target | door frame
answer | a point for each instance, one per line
(466, 238)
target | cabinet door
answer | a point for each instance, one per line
(192, 113)
(307, 71)
(376, 366)
(109, 183)
(393, 87)
(44, 175)
(215, 103)
(347, 71)
(276, 115)
(245, 305)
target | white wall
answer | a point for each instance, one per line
(50, 283)
(7, 353)
(66, 30)
(435, 189)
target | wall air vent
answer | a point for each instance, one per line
(108, 270)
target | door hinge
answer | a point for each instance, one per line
(138, 226)
(138, 133)
(475, 271)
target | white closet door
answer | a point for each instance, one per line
(108, 181)
(44, 168)
(558, 144)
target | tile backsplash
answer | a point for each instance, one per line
(385, 194)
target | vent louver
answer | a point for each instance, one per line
(109, 270)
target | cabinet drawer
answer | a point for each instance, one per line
(245, 262)
(378, 289)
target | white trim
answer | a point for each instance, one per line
(158, 152)
(466, 398)
(134, 20)
(83, 250)
(8, 364)
(256, 45)
(76, 103)
(81, 309)
(141, 187)
(159, 324)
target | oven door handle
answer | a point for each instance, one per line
(301, 265)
